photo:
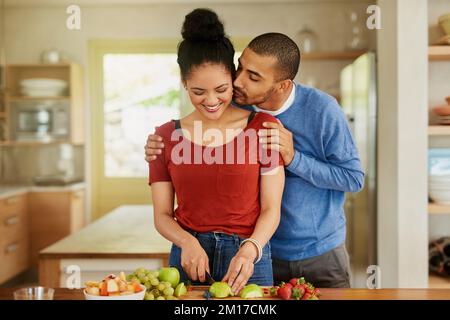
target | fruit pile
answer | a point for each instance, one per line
(113, 285)
(163, 284)
(223, 290)
(296, 288)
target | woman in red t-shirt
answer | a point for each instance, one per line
(228, 189)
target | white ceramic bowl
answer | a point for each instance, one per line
(440, 196)
(51, 92)
(43, 83)
(135, 296)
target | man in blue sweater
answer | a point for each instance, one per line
(321, 161)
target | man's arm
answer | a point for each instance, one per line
(342, 171)
(344, 175)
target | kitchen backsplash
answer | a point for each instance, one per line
(19, 165)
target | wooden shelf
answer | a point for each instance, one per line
(21, 98)
(439, 53)
(434, 208)
(437, 282)
(32, 143)
(39, 65)
(438, 130)
(345, 55)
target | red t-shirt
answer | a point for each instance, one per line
(217, 188)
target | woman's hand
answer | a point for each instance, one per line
(241, 267)
(194, 259)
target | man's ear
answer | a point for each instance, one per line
(284, 85)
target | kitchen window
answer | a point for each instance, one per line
(141, 91)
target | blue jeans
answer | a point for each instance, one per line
(221, 248)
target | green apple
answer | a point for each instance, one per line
(171, 275)
(180, 290)
(220, 290)
(251, 291)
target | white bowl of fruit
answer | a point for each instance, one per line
(114, 288)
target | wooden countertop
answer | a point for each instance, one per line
(7, 191)
(327, 294)
(126, 232)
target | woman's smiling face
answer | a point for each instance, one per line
(210, 88)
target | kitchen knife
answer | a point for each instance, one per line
(209, 279)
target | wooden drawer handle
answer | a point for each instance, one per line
(12, 200)
(12, 220)
(12, 247)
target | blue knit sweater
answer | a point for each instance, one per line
(325, 166)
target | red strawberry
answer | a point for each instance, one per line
(306, 296)
(289, 285)
(285, 292)
(301, 289)
(307, 288)
(293, 281)
(297, 292)
(273, 291)
(317, 292)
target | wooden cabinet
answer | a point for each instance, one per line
(14, 236)
(53, 216)
(72, 98)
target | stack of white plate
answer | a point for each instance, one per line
(443, 119)
(439, 188)
(43, 87)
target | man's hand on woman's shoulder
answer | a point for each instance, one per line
(154, 147)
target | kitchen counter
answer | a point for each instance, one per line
(126, 232)
(327, 294)
(7, 191)
(122, 240)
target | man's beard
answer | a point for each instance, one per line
(257, 101)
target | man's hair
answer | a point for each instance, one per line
(283, 48)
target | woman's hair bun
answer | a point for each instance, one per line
(202, 25)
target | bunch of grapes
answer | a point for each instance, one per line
(156, 289)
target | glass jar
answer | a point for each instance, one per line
(307, 40)
(355, 32)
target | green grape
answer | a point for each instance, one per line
(155, 293)
(141, 275)
(168, 291)
(167, 284)
(149, 296)
(148, 285)
(145, 279)
(171, 298)
(139, 270)
(129, 277)
(156, 274)
(160, 298)
(161, 286)
(154, 282)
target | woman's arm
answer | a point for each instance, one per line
(271, 192)
(194, 259)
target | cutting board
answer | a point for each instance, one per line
(198, 291)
